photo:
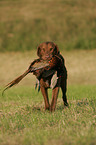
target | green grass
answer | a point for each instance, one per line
(24, 121)
(69, 23)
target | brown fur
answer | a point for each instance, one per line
(50, 51)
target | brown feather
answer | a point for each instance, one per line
(16, 81)
(35, 65)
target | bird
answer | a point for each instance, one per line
(37, 64)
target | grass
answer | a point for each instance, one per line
(80, 65)
(24, 121)
(72, 25)
(25, 24)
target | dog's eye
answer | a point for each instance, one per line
(43, 49)
(51, 49)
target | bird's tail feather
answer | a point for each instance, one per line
(16, 81)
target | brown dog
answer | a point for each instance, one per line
(47, 51)
(48, 67)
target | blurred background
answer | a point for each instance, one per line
(71, 24)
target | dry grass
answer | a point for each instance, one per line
(80, 65)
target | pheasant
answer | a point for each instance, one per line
(39, 68)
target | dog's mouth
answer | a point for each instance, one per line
(47, 57)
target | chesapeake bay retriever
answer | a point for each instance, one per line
(52, 73)
(49, 51)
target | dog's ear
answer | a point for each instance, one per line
(56, 49)
(39, 51)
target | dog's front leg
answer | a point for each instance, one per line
(45, 95)
(55, 92)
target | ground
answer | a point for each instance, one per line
(23, 119)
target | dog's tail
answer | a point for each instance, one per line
(16, 81)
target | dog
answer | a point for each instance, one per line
(50, 71)
(49, 51)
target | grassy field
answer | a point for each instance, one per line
(23, 120)
(69, 23)
(72, 25)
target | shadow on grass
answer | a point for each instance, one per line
(41, 108)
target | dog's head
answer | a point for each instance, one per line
(47, 50)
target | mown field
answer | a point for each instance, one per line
(69, 23)
(23, 119)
